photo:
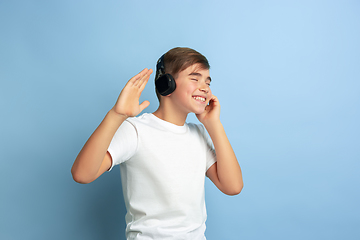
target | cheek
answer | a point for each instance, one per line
(209, 95)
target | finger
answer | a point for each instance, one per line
(143, 84)
(144, 80)
(134, 80)
(146, 74)
(144, 105)
(213, 100)
(142, 74)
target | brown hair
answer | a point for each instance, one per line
(180, 58)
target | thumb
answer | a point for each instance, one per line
(144, 105)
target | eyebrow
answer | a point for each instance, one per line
(199, 75)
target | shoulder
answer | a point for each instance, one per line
(198, 129)
(139, 120)
(131, 125)
(195, 127)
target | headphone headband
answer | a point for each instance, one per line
(160, 68)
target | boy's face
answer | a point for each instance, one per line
(192, 92)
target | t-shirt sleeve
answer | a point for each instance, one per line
(210, 151)
(124, 143)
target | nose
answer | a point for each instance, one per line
(204, 88)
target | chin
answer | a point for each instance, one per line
(200, 111)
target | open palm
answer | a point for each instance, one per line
(128, 101)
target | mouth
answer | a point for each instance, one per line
(200, 98)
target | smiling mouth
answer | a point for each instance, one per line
(199, 98)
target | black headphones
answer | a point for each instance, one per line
(164, 82)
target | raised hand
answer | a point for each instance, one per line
(128, 101)
(211, 112)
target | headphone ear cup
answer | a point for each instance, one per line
(165, 84)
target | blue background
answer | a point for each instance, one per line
(286, 74)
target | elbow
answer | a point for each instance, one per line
(239, 189)
(235, 190)
(80, 178)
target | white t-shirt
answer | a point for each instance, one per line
(163, 169)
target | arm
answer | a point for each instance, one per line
(226, 172)
(93, 159)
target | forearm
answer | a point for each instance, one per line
(228, 169)
(90, 158)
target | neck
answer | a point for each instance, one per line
(171, 114)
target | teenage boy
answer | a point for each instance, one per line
(164, 160)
